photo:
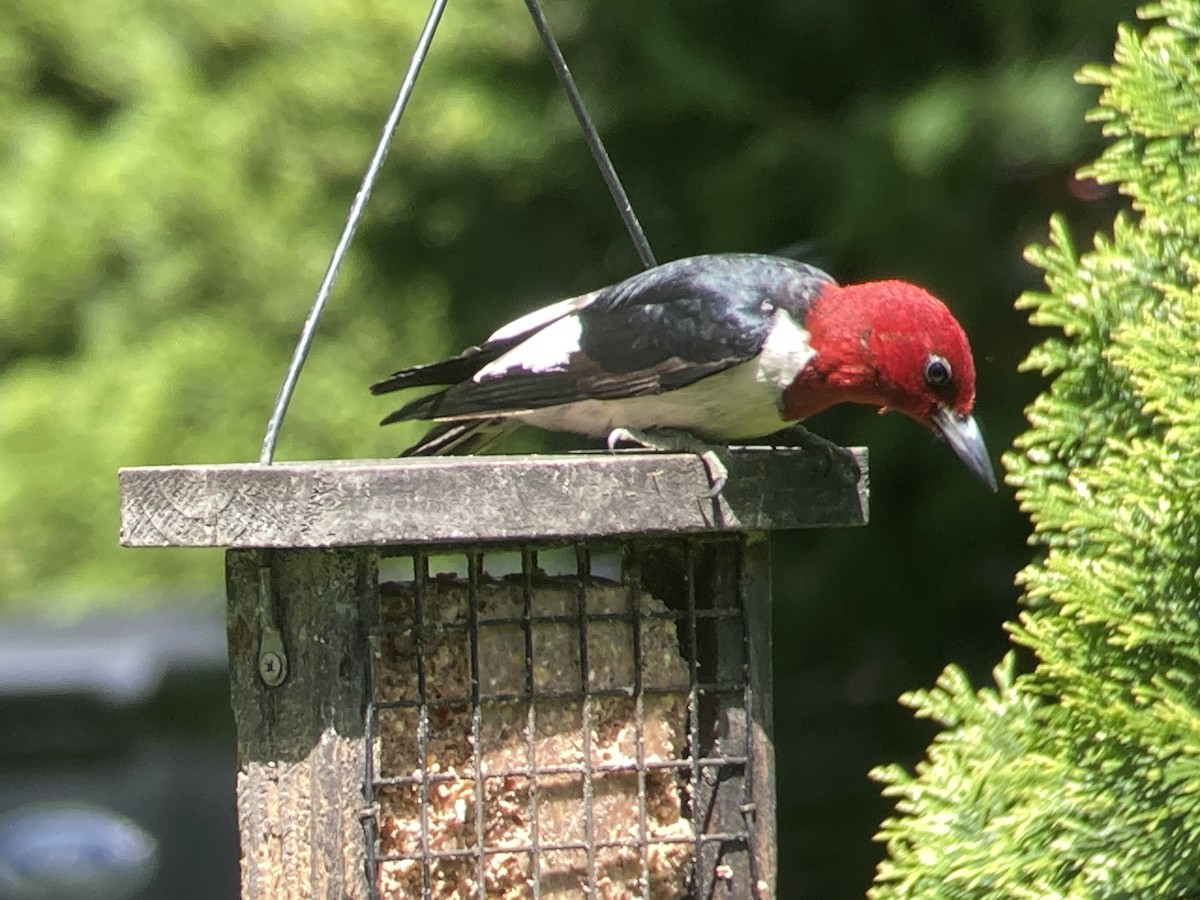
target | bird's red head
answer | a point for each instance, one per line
(893, 345)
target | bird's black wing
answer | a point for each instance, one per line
(464, 365)
(657, 331)
(445, 371)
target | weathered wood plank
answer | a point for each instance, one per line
(407, 501)
(301, 743)
(725, 793)
(736, 799)
(756, 599)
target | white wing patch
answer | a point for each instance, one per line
(541, 317)
(785, 352)
(548, 350)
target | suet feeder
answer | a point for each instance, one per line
(544, 676)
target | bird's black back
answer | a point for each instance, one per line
(656, 331)
(702, 309)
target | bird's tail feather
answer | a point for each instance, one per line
(421, 408)
(445, 371)
(456, 438)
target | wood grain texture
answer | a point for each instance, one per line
(413, 501)
(300, 832)
(301, 745)
(734, 799)
(725, 795)
(756, 600)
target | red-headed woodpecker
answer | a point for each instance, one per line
(710, 349)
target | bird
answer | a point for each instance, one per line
(701, 352)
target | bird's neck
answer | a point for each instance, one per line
(842, 328)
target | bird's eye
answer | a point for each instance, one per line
(937, 372)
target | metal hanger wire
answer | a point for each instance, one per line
(590, 134)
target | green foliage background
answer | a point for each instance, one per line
(173, 175)
(1082, 779)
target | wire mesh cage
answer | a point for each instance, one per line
(564, 720)
(557, 685)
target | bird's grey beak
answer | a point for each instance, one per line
(962, 434)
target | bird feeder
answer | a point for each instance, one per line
(536, 676)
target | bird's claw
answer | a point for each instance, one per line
(801, 438)
(623, 434)
(718, 474)
(669, 440)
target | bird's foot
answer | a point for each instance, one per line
(800, 437)
(670, 440)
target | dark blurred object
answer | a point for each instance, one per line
(54, 851)
(117, 759)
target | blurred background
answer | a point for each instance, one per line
(172, 179)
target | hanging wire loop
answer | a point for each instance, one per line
(352, 221)
(592, 136)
